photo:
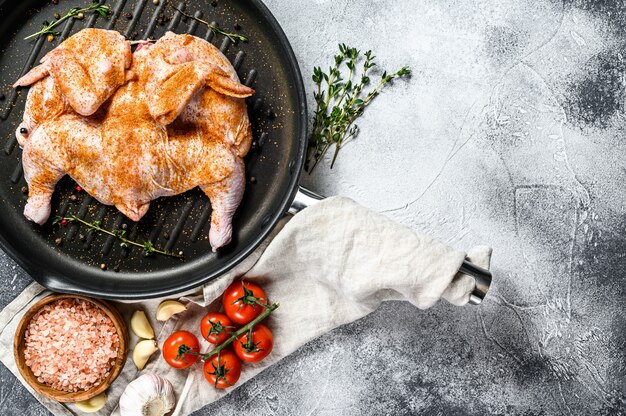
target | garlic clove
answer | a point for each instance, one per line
(140, 325)
(142, 352)
(148, 395)
(92, 405)
(168, 308)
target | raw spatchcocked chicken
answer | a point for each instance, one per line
(132, 127)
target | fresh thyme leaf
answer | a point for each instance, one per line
(235, 37)
(339, 102)
(148, 248)
(102, 9)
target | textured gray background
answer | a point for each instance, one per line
(509, 133)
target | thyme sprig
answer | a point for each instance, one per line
(95, 7)
(235, 37)
(339, 101)
(148, 248)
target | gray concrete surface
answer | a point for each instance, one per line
(510, 133)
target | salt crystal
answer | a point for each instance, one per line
(71, 351)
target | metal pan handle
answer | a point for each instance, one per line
(305, 198)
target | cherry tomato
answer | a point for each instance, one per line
(241, 301)
(224, 373)
(255, 349)
(215, 327)
(176, 344)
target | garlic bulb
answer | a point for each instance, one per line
(148, 395)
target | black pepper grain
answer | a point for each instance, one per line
(58, 241)
(81, 237)
(57, 16)
(129, 16)
(271, 115)
(73, 198)
(24, 190)
(252, 179)
(237, 26)
(124, 226)
(166, 236)
(103, 266)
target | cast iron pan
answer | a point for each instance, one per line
(68, 259)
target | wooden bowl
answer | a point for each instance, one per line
(63, 396)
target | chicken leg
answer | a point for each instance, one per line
(225, 197)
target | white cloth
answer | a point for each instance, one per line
(331, 264)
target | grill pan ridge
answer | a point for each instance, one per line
(69, 259)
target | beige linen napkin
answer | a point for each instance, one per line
(329, 265)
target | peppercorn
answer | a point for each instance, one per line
(155, 2)
(103, 266)
(129, 16)
(166, 236)
(180, 253)
(81, 237)
(24, 190)
(73, 198)
(271, 115)
(58, 241)
(252, 179)
(237, 26)
(124, 226)
(57, 16)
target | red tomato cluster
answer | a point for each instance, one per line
(242, 303)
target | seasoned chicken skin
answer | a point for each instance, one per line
(88, 68)
(179, 122)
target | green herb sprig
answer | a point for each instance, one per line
(95, 7)
(148, 248)
(235, 37)
(339, 102)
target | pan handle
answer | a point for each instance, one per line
(305, 198)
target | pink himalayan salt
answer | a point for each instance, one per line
(71, 345)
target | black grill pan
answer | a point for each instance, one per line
(70, 259)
